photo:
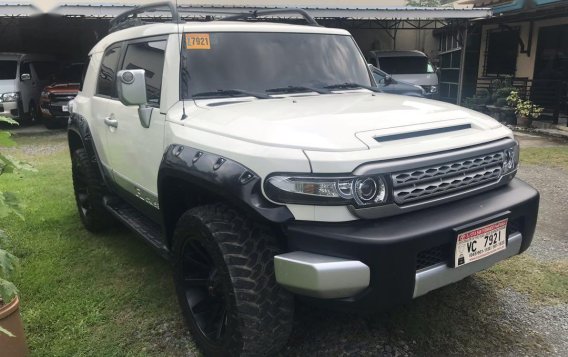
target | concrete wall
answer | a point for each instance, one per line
(525, 64)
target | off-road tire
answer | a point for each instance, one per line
(89, 191)
(259, 313)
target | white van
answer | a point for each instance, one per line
(408, 66)
(22, 77)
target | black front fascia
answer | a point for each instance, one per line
(390, 246)
(222, 177)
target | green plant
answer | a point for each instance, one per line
(9, 205)
(525, 108)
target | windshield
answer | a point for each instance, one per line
(406, 65)
(8, 69)
(257, 62)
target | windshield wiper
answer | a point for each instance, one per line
(298, 89)
(232, 93)
(353, 86)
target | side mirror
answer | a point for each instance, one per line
(131, 87)
(25, 77)
(388, 80)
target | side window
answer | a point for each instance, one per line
(25, 68)
(45, 70)
(373, 61)
(149, 56)
(107, 73)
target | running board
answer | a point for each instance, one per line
(143, 226)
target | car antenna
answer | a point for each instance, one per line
(183, 116)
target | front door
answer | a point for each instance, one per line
(135, 152)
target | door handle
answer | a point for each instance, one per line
(111, 122)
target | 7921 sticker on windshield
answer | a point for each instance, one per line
(197, 41)
(481, 242)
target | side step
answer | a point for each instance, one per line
(137, 222)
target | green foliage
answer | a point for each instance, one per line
(525, 108)
(9, 206)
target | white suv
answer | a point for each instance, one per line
(258, 159)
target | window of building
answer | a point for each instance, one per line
(149, 56)
(107, 73)
(501, 52)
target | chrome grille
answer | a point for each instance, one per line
(436, 180)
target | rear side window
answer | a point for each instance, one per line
(107, 73)
(149, 56)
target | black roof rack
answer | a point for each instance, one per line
(130, 18)
(257, 13)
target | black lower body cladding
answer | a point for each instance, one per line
(393, 248)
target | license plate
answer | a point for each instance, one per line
(481, 242)
(65, 108)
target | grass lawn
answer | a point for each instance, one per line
(553, 156)
(85, 295)
(111, 295)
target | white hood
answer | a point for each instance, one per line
(331, 123)
(7, 86)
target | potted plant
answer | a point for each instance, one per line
(12, 338)
(526, 110)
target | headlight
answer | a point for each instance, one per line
(511, 159)
(361, 191)
(10, 97)
(433, 89)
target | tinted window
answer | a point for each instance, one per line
(405, 65)
(45, 70)
(8, 69)
(70, 73)
(501, 52)
(107, 73)
(148, 56)
(261, 61)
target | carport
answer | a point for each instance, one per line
(69, 30)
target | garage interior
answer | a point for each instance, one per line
(70, 31)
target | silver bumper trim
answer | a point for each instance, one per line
(440, 275)
(320, 276)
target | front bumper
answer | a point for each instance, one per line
(406, 255)
(54, 110)
(10, 109)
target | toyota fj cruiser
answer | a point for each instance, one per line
(258, 158)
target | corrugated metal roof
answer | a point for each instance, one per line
(105, 10)
(19, 9)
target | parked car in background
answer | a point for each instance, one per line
(54, 101)
(22, 76)
(387, 84)
(409, 66)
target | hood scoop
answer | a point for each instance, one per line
(420, 133)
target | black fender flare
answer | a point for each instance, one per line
(78, 127)
(221, 176)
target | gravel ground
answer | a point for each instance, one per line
(442, 322)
